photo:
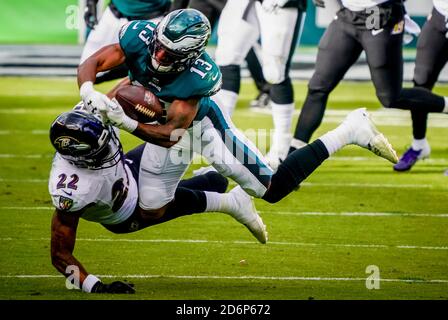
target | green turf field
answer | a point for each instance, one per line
(352, 213)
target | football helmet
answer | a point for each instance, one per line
(178, 40)
(83, 140)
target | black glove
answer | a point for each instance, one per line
(319, 3)
(114, 287)
(90, 13)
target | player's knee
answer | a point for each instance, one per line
(153, 199)
(388, 100)
(318, 85)
(274, 70)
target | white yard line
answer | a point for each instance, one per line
(212, 277)
(293, 213)
(357, 214)
(278, 243)
(304, 184)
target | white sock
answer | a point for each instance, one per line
(282, 118)
(419, 144)
(218, 202)
(336, 139)
(445, 110)
(226, 100)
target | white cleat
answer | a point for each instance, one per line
(246, 213)
(365, 134)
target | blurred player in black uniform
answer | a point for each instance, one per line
(352, 32)
(432, 55)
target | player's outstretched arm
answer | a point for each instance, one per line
(63, 238)
(104, 59)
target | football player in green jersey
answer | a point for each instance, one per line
(169, 59)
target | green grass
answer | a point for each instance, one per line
(38, 22)
(328, 247)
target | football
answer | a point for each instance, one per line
(140, 104)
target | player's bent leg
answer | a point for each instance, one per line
(356, 129)
(232, 154)
(338, 51)
(210, 181)
(160, 172)
(282, 105)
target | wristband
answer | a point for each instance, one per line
(89, 282)
(129, 124)
(85, 89)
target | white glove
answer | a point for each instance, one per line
(271, 5)
(411, 29)
(93, 99)
(115, 115)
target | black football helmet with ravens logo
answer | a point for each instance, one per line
(83, 140)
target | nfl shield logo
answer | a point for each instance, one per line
(65, 203)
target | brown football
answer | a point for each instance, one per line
(140, 104)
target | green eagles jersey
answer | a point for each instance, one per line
(201, 80)
(139, 8)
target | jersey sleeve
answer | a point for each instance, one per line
(134, 37)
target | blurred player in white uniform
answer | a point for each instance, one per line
(92, 179)
(278, 24)
(105, 31)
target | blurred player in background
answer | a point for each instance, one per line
(278, 23)
(432, 55)
(105, 31)
(92, 179)
(212, 10)
(352, 32)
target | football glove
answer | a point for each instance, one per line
(93, 100)
(114, 287)
(90, 16)
(115, 115)
(319, 3)
(272, 5)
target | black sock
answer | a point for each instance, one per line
(186, 201)
(231, 78)
(419, 124)
(296, 168)
(211, 181)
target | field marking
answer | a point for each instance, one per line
(279, 243)
(32, 132)
(293, 213)
(304, 184)
(211, 277)
(357, 214)
(371, 159)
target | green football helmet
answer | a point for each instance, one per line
(178, 40)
